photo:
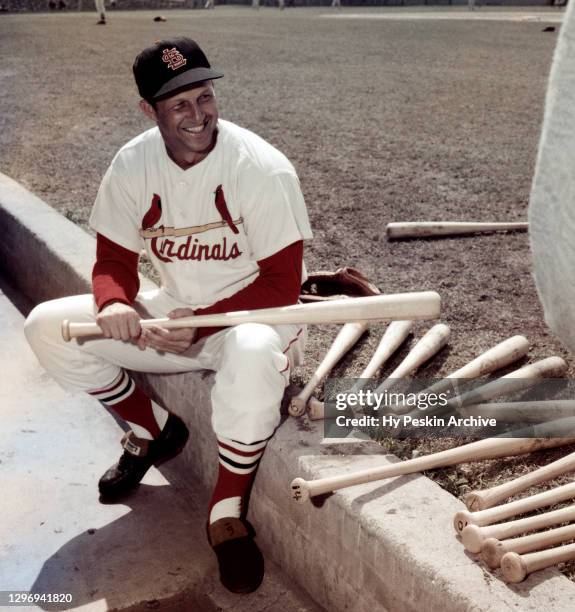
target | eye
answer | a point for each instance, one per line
(205, 97)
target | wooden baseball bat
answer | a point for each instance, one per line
(391, 340)
(431, 229)
(474, 536)
(348, 335)
(515, 568)
(518, 380)
(394, 335)
(481, 500)
(494, 549)
(420, 305)
(490, 448)
(521, 506)
(495, 358)
(431, 343)
(522, 412)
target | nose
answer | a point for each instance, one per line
(195, 113)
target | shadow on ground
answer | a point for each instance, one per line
(142, 545)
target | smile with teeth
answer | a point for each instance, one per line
(196, 129)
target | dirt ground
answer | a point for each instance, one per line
(385, 120)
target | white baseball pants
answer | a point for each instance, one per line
(252, 361)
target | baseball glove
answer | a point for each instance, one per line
(344, 282)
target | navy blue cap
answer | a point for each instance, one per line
(171, 66)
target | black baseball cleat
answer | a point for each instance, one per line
(139, 456)
(240, 561)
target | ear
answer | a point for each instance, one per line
(148, 110)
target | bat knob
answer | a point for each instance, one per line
(472, 538)
(461, 520)
(297, 407)
(66, 330)
(492, 552)
(473, 501)
(316, 409)
(299, 490)
(513, 567)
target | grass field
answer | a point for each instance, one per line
(385, 120)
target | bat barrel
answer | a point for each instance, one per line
(432, 342)
(430, 229)
(496, 357)
(536, 411)
(394, 336)
(416, 305)
(520, 379)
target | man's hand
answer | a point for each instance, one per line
(169, 340)
(119, 321)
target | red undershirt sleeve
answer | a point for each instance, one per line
(278, 284)
(115, 279)
(115, 273)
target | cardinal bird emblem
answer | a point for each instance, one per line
(154, 213)
(223, 209)
(149, 221)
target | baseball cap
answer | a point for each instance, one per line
(170, 66)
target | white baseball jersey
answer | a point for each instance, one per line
(147, 201)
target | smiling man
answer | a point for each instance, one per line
(222, 218)
(188, 123)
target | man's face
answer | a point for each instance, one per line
(187, 122)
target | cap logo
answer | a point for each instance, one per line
(174, 58)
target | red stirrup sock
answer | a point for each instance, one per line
(133, 405)
(238, 463)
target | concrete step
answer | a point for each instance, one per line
(55, 537)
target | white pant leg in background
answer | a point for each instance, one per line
(100, 8)
(252, 361)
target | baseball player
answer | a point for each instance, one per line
(101, 10)
(221, 215)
